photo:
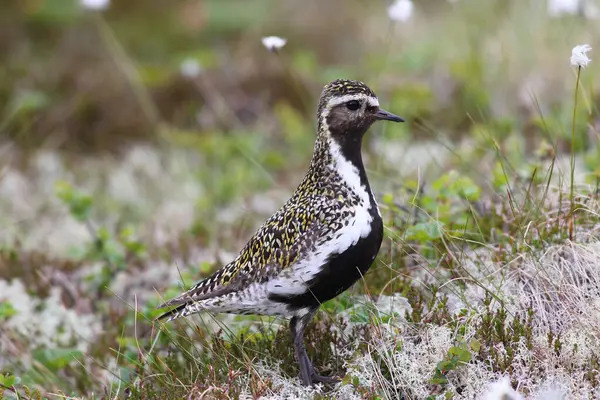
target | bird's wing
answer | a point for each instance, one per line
(282, 241)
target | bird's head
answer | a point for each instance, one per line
(348, 108)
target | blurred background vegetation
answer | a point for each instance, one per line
(151, 136)
(97, 81)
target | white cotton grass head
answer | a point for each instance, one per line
(579, 57)
(401, 10)
(558, 8)
(96, 5)
(190, 68)
(273, 43)
(502, 390)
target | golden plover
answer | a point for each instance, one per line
(319, 243)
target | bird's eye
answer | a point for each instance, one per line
(353, 105)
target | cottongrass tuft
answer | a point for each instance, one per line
(96, 5)
(190, 68)
(502, 390)
(273, 43)
(558, 8)
(401, 10)
(579, 57)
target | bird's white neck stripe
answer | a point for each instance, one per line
(347, 171)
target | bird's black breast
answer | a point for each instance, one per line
(341, 271)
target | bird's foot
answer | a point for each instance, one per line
(328, 380)
(313, 379)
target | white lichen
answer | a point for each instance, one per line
(46, 323)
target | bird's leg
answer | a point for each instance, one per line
(297, 328)
(308, 374)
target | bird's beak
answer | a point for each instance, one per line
(388, 116)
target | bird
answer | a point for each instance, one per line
(318, 244)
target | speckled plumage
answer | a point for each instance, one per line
(323, 238)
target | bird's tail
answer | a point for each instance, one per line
(172, 314)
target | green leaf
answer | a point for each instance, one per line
(6, 310)
(452, 184)
(438, 378)
(475, 345)
(466, 188)
(80, 204)
(347, 380)
(462, 354)
(425, 231)
(8, 380)
(447, 365)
